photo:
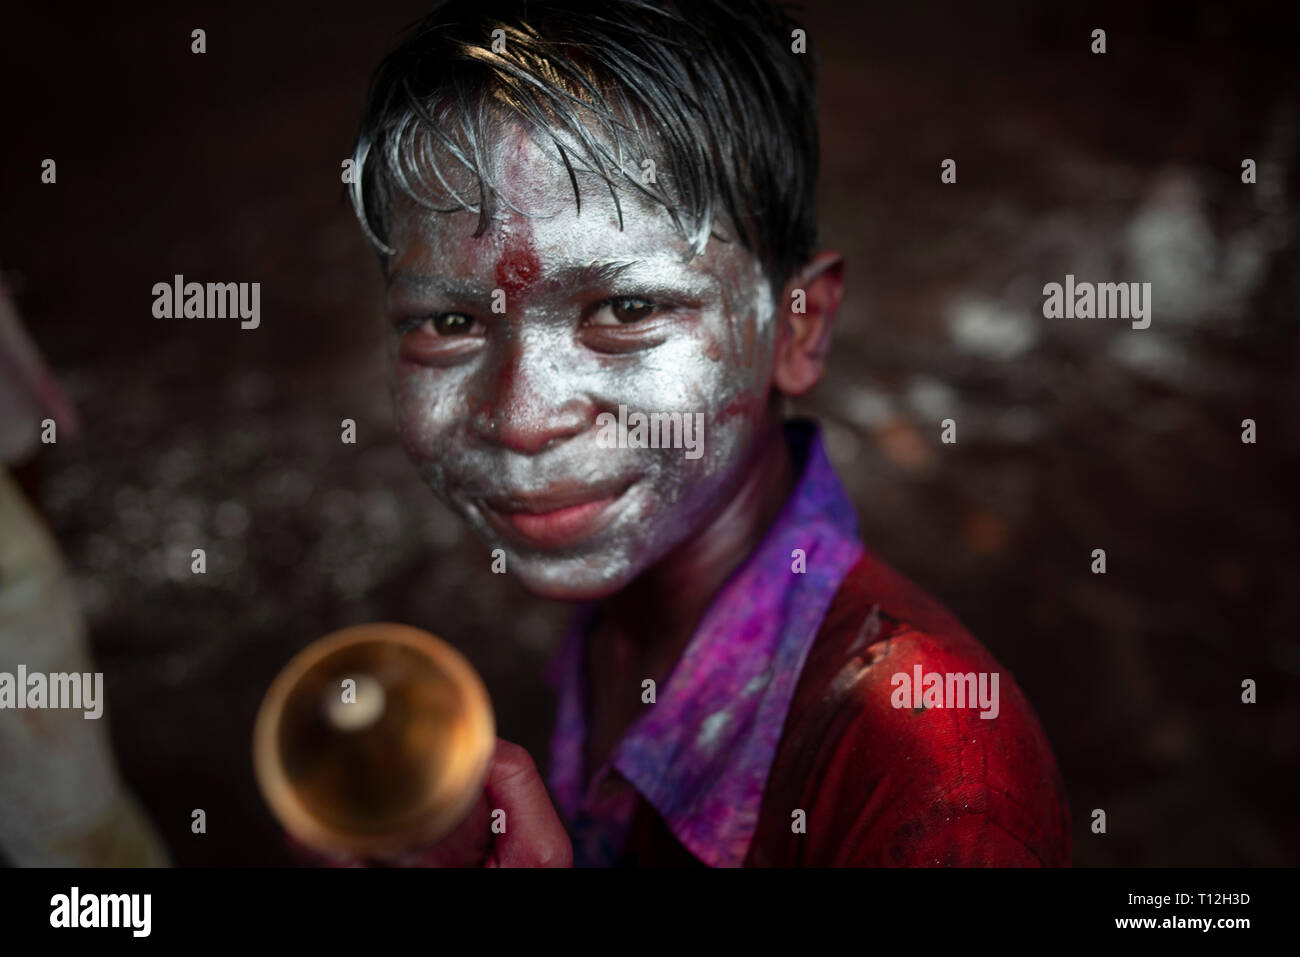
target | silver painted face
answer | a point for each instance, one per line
(499, 410)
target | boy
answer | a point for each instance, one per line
(594, 215)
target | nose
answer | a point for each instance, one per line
(528, 400)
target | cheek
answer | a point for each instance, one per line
(428, 409)
(703, 378)
(704, 372)
(735, 405)
(732, 396)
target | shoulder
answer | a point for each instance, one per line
(910, 744)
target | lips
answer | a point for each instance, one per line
(555, 517)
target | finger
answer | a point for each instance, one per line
(534, 835)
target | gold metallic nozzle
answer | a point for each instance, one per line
(373, 741)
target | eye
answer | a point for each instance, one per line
(446, 323)
(622, 311)
(439, 338)
(442, 325)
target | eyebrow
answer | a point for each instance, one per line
(593, 273)
(575, 274)
(572, 276)
(448, 285)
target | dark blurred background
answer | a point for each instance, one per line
(1071, 435)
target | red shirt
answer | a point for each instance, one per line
(882, 786)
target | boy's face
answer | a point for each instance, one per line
(499, 409)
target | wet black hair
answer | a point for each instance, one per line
(713, 91)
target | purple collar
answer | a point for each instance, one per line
(702, 753)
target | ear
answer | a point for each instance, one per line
(805, 317)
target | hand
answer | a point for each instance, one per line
(533, 837)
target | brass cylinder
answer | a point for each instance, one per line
(373, 741)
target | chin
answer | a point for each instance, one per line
(571, 578)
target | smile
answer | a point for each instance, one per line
(556, 517)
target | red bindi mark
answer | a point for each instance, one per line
(518, 268)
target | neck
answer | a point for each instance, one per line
(659, 611)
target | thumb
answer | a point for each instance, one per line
(534, 835)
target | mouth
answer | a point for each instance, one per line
(558, 516)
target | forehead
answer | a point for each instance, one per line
(536, 222)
